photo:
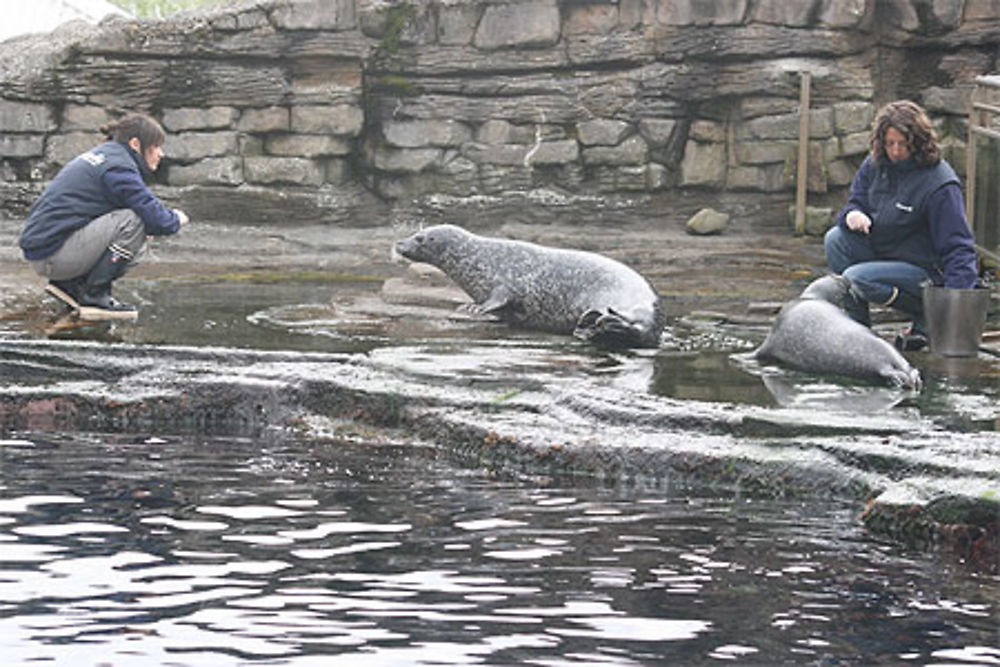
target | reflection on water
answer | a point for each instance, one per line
(138, 551)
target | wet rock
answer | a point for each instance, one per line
(817, 219)
(707, 221)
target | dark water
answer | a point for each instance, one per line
(125, 550)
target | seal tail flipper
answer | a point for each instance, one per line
(610, 330)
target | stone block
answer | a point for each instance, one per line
(658, 177)
(407, 160)
(503, 132)
(633, 14)
(840, 173)
(765, 152)
(76, 117)
(315, 15)
(797, 13)
(552, 152)
(815, 167)
(921, 16)
(704, 164)
(422, 133)
(271, 119)
(397, 24)
(190, 146)
(633, 150)
(657, 131)
(210, 171)
(701, 12)
(982, 10)
(843, 14)
(851, 117)
(272, 170)
(457, 21)
(519, 24)
(307, 145)
(345, 120)
(786, 126)
(251, 146)
(602, 132)
(590, 19)
(22, 145)
(61, 148)
(338, 171)
(195, 118)
(858, 143)
(495, 132)
(947, 101)
(496, 154)
(25, 117)
(765, 178)
(707, 130)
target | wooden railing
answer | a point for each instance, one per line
(982, 191)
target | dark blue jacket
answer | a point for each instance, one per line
(103, 179)
(918, 217)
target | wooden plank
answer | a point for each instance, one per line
(803, 168)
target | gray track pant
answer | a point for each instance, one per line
(120, 231)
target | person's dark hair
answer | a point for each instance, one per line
(912, 122)
(138, 125)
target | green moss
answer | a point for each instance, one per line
(506, 396)
(397, 85)
(396, 20)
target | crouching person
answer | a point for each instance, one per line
(91, 222)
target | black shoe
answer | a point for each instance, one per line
(67, 291)
(96, 302)
(910, 341)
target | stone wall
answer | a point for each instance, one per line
(319, 109)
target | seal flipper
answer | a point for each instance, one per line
(499, 300)
(609, 330)
(904, 379)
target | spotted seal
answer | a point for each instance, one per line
(812, 333)
(538, 287)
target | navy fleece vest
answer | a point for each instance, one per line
(898, 196)
(74, 197)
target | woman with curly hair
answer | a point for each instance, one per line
(904, 223)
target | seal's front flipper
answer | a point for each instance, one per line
(498, 301)
(610, 330)
(903, 379)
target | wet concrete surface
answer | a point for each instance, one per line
(317, 332)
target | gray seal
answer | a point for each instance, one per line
(813, 333)
(550, 289)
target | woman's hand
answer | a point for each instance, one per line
(182, 216)
(858, 222)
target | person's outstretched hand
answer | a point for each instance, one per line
(182, 216)
(858, 222)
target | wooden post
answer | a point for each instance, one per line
(802, 177)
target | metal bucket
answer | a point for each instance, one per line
(955, 319)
